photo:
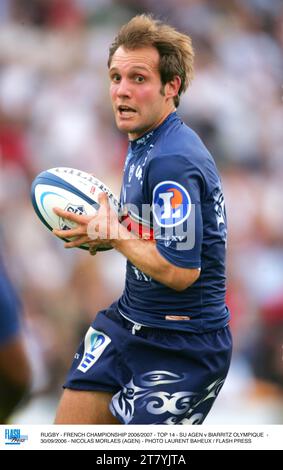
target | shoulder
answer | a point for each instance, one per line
(179, 140)
(180, 153)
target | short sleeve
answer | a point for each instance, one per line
(174, 187)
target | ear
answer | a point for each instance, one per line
(172, 88)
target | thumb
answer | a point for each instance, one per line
(103, 199)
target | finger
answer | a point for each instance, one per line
(92, 251)
(95, 244)
(103, 199)
(68, 215)
(93, 229)
(67, 233)
(76, 243)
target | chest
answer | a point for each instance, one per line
(134, 184)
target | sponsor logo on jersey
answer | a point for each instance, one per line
(94, 344)
(171, 204)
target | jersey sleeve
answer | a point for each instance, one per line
(174, 190)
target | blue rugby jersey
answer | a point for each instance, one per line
(170, 170)
(10, 307)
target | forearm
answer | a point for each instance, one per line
(145, 256)
(105, 229)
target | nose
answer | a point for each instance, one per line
(123, 89)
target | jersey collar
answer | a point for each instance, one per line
(148, 137)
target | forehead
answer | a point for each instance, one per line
(144, 57)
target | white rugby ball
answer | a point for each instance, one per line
(70, 189)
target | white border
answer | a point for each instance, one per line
(146, 437)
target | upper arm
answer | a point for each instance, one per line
(175, 186)
(176, 277)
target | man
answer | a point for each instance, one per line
(160, 354)
(15, 371)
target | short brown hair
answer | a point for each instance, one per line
(175, 49)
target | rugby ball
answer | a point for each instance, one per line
(71, 190)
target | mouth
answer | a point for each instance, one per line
(125, 111)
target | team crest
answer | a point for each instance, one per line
(95, 343)
(171, 204)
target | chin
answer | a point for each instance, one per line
(125, 127)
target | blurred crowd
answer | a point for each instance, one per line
(55, 111)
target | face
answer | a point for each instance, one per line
(139, 100)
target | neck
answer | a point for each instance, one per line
(154, 126)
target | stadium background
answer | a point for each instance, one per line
(55, 111)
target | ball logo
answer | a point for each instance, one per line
(65, 224)
(171, 204)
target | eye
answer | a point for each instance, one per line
(139, 79)
(115, 77)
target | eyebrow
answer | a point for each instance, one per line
(135, 67)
